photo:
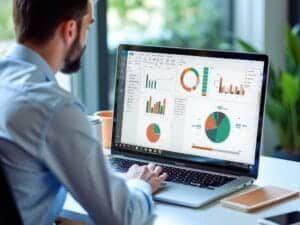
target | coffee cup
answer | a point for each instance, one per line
(106, 118)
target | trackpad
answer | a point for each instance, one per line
(183, 195)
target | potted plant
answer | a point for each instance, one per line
(283, 101)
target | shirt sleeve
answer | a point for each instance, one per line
(75, 157)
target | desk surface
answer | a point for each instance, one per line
(272, 171)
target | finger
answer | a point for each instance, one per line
(144, 169)
(134, 166)
(151, 166)
(157, 170)
(146, 174)
(151, 175)
(162, 177)
(156, 182)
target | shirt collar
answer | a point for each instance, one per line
(21, 52)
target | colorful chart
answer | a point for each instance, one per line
(151, 84)
(217, 127)
(231, 89)
(182, 79)
(205, 81)
(153, 133)
(156, 107)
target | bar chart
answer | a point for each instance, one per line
(231, 89)
(158, 107)
(205, 81)
(150, 84)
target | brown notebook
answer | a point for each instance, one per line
(258, 198)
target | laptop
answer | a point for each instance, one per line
(197, 113)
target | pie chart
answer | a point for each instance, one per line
(153, 133)
(217, 127)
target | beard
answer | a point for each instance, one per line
(73, 59)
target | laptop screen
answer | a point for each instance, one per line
(191, 106)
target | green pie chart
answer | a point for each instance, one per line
(217, 127)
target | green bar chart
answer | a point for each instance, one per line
(150, 84)
(205, 81)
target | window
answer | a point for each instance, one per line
(7, 38)
(6, 26)
(189, 23)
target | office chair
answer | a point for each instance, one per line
(9, 214)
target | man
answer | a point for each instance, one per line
(46, 140)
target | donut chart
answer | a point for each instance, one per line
(217, 127)
(153, 133)
(189, 72)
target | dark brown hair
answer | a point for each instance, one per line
(37, 20)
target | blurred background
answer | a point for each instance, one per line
(268, 26)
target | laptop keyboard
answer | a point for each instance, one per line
(178, 175)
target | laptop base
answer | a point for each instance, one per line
(194, 197)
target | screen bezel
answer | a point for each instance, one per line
(251, 172)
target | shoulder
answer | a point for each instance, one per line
(23, 82)
(26, 104)
(28, 107)
(11, 69)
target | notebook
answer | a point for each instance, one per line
(258, 198)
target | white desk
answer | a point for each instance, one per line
(277, 172)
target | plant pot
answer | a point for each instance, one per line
(284, 154)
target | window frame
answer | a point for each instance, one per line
(91, 84)
(250, 20)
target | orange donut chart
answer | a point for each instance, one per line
(182, 76)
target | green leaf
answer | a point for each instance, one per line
(290, 89)
(276, 111)
(246, 47)
(293, 47)
(284, 91)
(273, 78)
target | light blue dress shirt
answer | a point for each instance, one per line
(47, 145)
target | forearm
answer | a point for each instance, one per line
(76, 159)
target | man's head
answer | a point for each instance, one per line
(60, 22)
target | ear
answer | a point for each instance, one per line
(69, 31)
